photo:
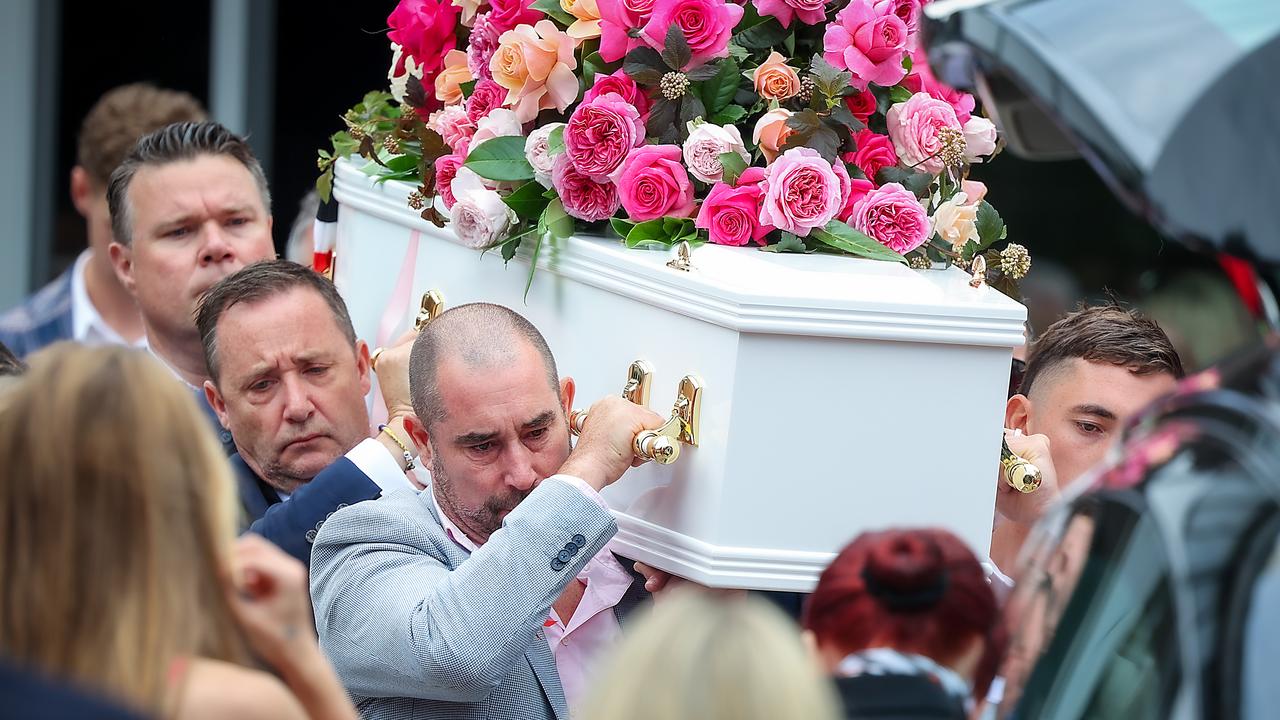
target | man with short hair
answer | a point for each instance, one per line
(490, 594)
(1087, 375)
(288, 378)
(87, 303)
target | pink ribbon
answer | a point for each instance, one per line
(399, 306)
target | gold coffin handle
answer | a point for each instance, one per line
(1021, 474)
(636, 390)
(662, 445)
(432, 306)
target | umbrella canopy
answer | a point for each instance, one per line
(1176, 102)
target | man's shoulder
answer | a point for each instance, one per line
(394, 517)
(42, 319)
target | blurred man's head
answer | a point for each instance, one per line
(107, 135)
(1087, 375)
(288, 374)
(189, 206)
(492, 414)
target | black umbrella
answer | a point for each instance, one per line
(1175, 102)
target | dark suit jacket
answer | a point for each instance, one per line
(293, 525)
(896, 697)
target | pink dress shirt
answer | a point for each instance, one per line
(578, 644)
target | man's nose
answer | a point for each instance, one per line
(298, 407)
(217, 247)
(520, 473)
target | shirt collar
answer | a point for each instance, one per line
(87, 325)
(455, 534)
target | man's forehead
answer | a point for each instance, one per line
(294, 323)
(183, 185)
(1084, 384)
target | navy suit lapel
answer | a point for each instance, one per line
(224, 435)
(255, 495)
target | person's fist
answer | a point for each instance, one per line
(393, 375)
(1020, 507)
(604, 450)
(268, 593)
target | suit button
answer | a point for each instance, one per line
(557, 564)
(579, 541)
(572, 548)
(311, 536)
(564, 556)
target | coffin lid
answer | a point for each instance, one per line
(750, 291)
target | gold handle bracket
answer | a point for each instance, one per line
(636, 390)
(662, 445)
(432, 306)
(1021, 474)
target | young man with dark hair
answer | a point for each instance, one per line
(1087, 375)
(87, 303)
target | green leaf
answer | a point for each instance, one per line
(918, 183)
(675, 51)
(662, 119)
(555, 221)
(703, 72)
(621, 227)
(990, 226)
(829, 79)
(343, 144)
(690, 109)
(510, 247)
(663, 231)
(733, 165)
(324, 185)
(762, 36)
(468, 87)
(729, 115)
(552, 9)
(533, 264)
(789, 244)
(898, 94)
(842, 237)
(555, 141)
(737, 52)
(644, 65)
(500, 158)
(718, 92)
(527, 201)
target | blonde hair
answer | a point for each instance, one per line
(700, 656)
(117, 514)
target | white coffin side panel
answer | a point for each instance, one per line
(841, 395)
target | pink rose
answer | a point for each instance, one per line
(600, 133)
(537, 151)
(908, 11)
(704, 146)
(810, 12)
(452, 125)
(801, 192)
(508, 14)
(705, 24)
(446, 169)
(731, 213)
(925, 81)
(535, 64)
(867, 42)
(486, 96)
(654, 184)
(425, 29)
(583, 197)
(974, 189)
(862, 104)
(979, 138)
(851, 190)
(914, 127)
(481, 45)
(875, 151)
(622, 84)
(501, 122)
(617, 18)
(893, 217)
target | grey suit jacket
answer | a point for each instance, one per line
(416, 628)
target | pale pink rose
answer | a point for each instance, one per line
(539, 154)
(449, 81)
(479, 216)
(979, 138)
(892, 216)
(775, 79)
(535, 64)
(654, 184)
(586, 19)
(875, 151)
(810, 12)
(622, 84)
(452, 125)
(801, 192)
(908, 11)
(705, 24)
(956, 221)
(500, 122)
(868, 42)
(617, 18)
(446, 169)
(731, 213)
(975, 190)
(600, 133)
(486, 96)
(481, 45)
(510, 14)
(425, 31)
(914, 126)
(583, 197)
(705, 145)
(771, 132)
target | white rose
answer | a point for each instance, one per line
(500, 122)
(479, 216)
(703, 149)
(955, 221)
(979, 138)
(539, 154)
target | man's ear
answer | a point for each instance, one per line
(217, 402)
(1017, 413)
(84, 191)
(567, 390)
(363, 366)
(419, 436)
(122, 261)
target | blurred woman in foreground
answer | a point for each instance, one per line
(119, 567)
(906, 623)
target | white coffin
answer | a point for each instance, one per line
(841, 394)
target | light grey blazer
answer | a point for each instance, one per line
(416, 628)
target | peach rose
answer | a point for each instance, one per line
(775, 80)
(535, 64)
(587, 23)
(955, 221)
(771, 132)
(449, 81)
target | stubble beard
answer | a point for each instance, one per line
(476, 522)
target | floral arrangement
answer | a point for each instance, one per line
(789, 125)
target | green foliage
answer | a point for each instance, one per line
(675, 51)
(811, 130)
(990, 226)
(762, 36)
(552, 9)
(555, 141)
(729, 115)
(916, 182)
(718, 92)
(528, 201)
(789, 244)
(500, 158)
(846, 239)
(733, 165)
(662, 232)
